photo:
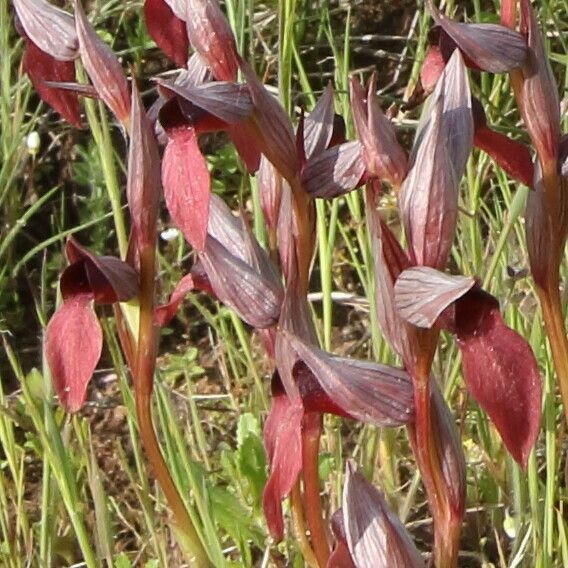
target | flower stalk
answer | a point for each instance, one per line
(311, 435)
(143, 386)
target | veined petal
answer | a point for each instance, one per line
(335, 171)
(256, 298)
(546, 228)
(375, 536)
(382, 154)
(490, 47)
(42, 68)
(106, 278)
(229, 102)
(429, 195)
(103, 67)
(73, 344)
(274, 135)
(51, 29)
(500, 371)
(423, 293)
(369, 392)
(211, 36)
(270, 189)
(389, 260)
(186, 182)
(167, 30)
(318, 127)
(143, 185)
(540, 106)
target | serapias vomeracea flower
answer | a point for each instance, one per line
(73, 337)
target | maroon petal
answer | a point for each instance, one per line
(335, 171)
(167, 30)
(103, 67)
(429, 195)
(186, 182)
(51, 29)
(422, 294)
(546, 228)
(500, 371)
(143, 186)
(318, 127)
(314, 398)
(270, 189)
(340, 557)
(274, 135)
(73, 344)
(508, 13)
(283, 443)
(375, 536)
(382, 154)
(490, 47)
(256, 298)
(83, 89)
(165, 313)
(368, 392)
(432, 67)
(43, 68)
(450, 452)
(211, 36)
(230, 102)
(107, 278)
(389, 260)
(243, 137)
(540, 107)
(295, 319)
(511, 155)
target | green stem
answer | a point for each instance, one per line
(300, 524)
(98, 124)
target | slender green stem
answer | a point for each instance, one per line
(300, 525)
(98, 124)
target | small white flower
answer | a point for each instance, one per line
(169, 234)
(33, 143)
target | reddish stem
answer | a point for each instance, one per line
(143, 386)
(447, 525)
(311, 434)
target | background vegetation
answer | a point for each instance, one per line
(75, 491)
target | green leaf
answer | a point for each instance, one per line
(251, 458)
(122, 561)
